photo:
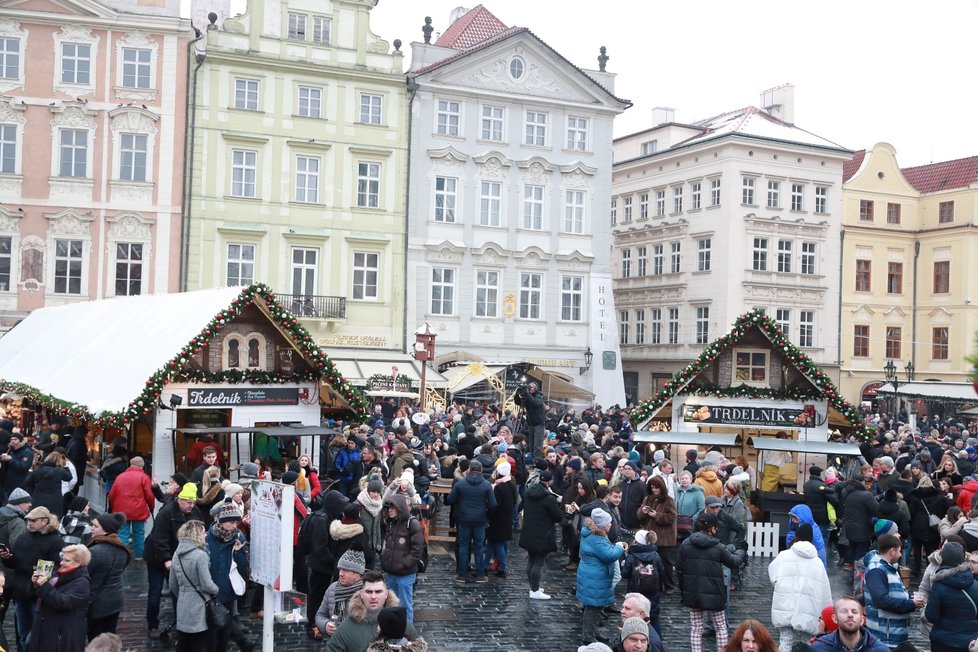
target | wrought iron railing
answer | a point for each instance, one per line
(314, 306)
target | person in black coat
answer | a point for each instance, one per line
(162, 543)
(818, 496)
(633, 492)
(700, 577)
(860, 508)
(531, 400)
(541, 514)
(890, 509)
(644, 551)
(62, 605)
(925, 501)
(499, 530)
(44, 483)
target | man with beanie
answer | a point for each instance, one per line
(132, 495)
(160, 546)
(316, 546)
(818, 496)
(333, 609)
(636, 605)
(226, 545)
(541, 514)
(888, 603)
(12, 523)
(691, 464)
(359, 629)
(109, 559)
(17, 462)
(634, 636)
(474, 498)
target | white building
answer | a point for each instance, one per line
(711, 219)
(509, 186)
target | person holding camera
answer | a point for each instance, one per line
(529, 398)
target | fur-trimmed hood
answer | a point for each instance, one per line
(418, 645)
(948, 573)
(341, 531)
(358, 612)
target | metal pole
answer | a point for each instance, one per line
(424, 367)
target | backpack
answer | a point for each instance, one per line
(645, 579)
(307, 531)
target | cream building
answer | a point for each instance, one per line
(299, 141)
(510, 184)
(908, 284)
(91, 150)
(712, 219)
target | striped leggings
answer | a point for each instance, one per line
(697, 620)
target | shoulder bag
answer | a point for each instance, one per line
(932, 519)
(217, 614)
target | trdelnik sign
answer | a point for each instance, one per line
(689, 412)
(234, 397)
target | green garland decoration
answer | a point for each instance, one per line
(174, 371)
(823, 386)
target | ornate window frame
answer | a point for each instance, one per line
(244, 342)
(81, 35)
(140, 41)
(10, 227)
(132, 120)
(71, 225)
(72, 115)
(129, 228)
(12, 112)
(11, 29)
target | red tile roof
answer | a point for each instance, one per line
(935, 177)
(501, 36)
(473, 27)
(850, 167)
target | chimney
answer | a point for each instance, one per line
(662, 115)
(457, 13)
(780, 102)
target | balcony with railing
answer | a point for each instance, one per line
(314, 306)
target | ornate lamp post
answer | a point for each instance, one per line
(588, 357)
(424, 352)
(890, 373)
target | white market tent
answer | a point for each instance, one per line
(100, 353)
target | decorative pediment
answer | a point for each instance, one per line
(11, 110)
(940, 316)
(490, 254)
(536, 170)
(445, 252)
(574, 260)
(73, 115)
(10, 220)
(70, 222)
(130, 226)
(532, 257)
(73, 7)
(894, 315)
(777, 224)
(445, 154)
(133, 119)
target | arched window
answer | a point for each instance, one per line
(254, 353)
(233, 354)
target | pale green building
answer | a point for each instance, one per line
(298, 140)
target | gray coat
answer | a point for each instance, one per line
(109, 560)
(191, 567)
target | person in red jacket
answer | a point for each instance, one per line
(132, 495)
(967, 494)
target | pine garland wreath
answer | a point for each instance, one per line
(174, 371)
(823, 386)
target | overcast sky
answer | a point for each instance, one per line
(864, 71)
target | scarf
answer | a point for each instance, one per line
(301, 483)
(341, 599)
(223, 535)
(371, 505)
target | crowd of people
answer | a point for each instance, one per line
(634, 528)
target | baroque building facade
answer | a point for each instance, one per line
(715, 218)
(91, 150)
(509, 188)
(299, 156)
(908, 288)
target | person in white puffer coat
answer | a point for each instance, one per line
(801, 590)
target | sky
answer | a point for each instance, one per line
(864, 71)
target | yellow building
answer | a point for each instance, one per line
(908, 285)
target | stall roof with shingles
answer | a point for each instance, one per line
(102, 355)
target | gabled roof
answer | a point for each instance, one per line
(475, 26)
(850, 167)
(945, 175)
(820, 386)
(109, 360)
(507, 34)
(755, 122)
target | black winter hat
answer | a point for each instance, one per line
(392, 622)
(111, 523)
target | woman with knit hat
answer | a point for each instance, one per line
(499, 530)
(109, 559)
(951, 606)
(596, 572)
(226, 544)
(371, 505)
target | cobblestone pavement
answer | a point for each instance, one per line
(497, 615)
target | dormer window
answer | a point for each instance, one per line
(244, 351)
(750, 368)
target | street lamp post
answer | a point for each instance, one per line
(890, 373)
(424, 351)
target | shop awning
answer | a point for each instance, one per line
(271, 431)
(459, 378)
(795, 446)
(554, 387)
(961, 392)
(690, 438)
(357, 366)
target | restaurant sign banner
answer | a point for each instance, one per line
(234, 397)
(690, 412)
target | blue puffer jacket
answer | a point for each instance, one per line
(804, 515)
(220, 563)
(596, 570)
(951, 607)
(473, 498)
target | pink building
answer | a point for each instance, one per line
(92, 118)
